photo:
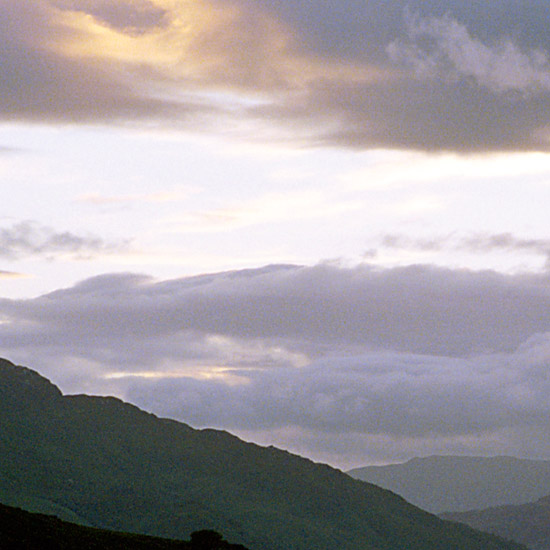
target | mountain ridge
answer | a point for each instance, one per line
(528, 523)
(461, 483)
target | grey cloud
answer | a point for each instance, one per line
(391, 394)
(444, 48)
(397, 241)
(32, 239)
(506, 241)
(417, 359)
(461, 76)
(359, 28)
(406, 112)
(476, 243)
(420, 309)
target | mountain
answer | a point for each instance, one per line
(105, 463)
(461, 483)
(21, 530)
(528, 523)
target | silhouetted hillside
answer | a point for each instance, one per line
(21, 530)
(108, 464)
(528, 523)
(460, 483)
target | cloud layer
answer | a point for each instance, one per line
(407, 360)
(400, 74)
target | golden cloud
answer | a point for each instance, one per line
(196, 41)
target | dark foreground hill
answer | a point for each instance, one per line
(105, 463)
(526, 523)
(21, 530)
(461, 483)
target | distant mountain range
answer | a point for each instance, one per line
(459, 483)
(104, 463)
(21, 530)
(526, 523)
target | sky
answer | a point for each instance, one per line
(318, 225)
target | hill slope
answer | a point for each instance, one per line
(108, 464)
(526, 523)
(21, 530)
(461, 483)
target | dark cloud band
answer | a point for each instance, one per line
(405, 75)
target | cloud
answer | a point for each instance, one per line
(443, 48)
(352, 75)
(137, 16)
(159, 60)
(418, 309)
(509, 243)
(412, 400)
(418, 359)
(62, 64)
(446, 88)
(479, 243)
(469, 55)
(26, 239)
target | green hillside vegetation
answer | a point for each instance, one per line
(460, 483)
(107, 464)
(528, 523)
(21, 530)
